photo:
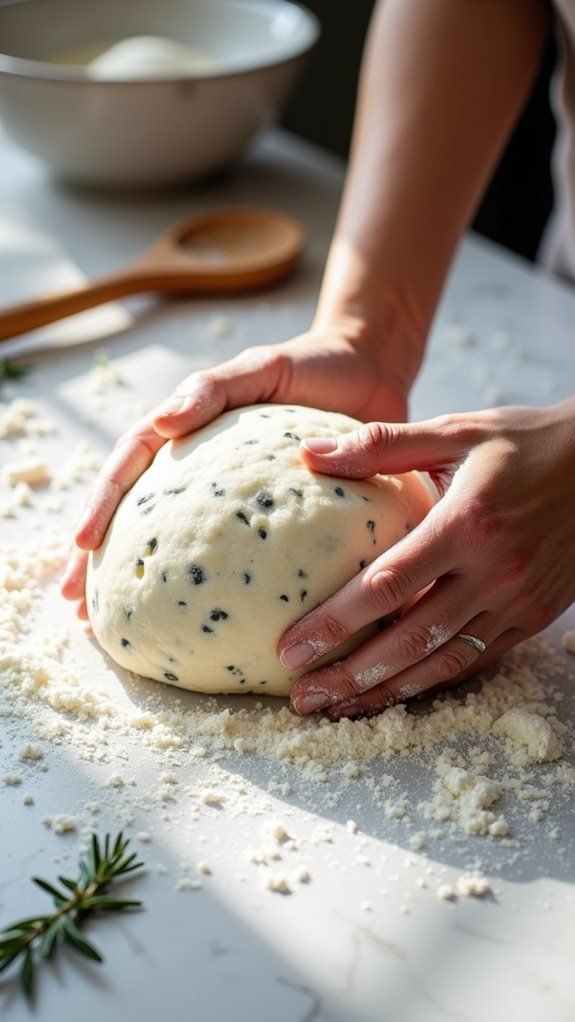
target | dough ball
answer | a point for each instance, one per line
(227, 539)
(143, 57)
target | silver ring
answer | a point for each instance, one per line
(477, 644)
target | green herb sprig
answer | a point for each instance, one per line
(74, 903)
(12, 370)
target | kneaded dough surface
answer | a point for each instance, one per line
(227, 539)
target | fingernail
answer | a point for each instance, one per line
(170, 407)
(297, 655)
(310, 703)
(321, 444)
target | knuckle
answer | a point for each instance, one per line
(515, 567)
(334, 630)
(386, 588)
(413, 643)
(479, 521)
(458, 427)
(450, 663)
(512, 571)
(375, 437)
(347, 682)
(541, 616)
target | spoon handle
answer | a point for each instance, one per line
(29, 315)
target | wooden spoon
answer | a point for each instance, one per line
(220, 251)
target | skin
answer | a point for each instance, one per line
(442, 86)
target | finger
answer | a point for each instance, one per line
(131, 456)
(251, 377)
(390, 447)
(426, 679)
(410, 642)
(381, 589)
(73, 581)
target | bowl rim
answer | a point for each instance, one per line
(44, 70)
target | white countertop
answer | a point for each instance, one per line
(362, 941)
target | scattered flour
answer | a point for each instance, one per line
(485, 751)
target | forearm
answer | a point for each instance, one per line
(442, 85)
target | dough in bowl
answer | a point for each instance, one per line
(227, 539)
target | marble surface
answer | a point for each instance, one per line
(362, 941)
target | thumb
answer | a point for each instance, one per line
(386, 447)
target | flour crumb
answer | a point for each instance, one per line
(61, 824)
(532, 735)
(12, 780)
(445, 892)
(31, 753)
(276, 882)
(33, 471)
(209, 797)
(278, 831)
(471, 886)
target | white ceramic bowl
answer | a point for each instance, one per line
(149, 131)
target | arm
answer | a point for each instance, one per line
(442, 85)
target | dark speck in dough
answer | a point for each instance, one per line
(197, 574)
(169, 676)
(242, 517)
(262, 533)
(339, 491)
(125, 642)
(264, 500)
(145, 499)
(247, 578)
(292, 436)
(219, 615)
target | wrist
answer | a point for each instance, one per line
(381, 324)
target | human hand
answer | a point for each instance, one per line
(494, 558)
(320, 369)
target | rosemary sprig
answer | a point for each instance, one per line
(74, 902)
(12, 370)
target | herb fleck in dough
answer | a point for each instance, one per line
(227, 539)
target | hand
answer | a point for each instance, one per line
(494, 558)
(319, 369)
